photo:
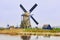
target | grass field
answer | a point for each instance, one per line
(54, 31)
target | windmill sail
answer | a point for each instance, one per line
(23, 8)
(34, 20)
(33, 8)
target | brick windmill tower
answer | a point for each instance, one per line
(25, 23)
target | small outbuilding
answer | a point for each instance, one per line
(47, 26)
(12, 27)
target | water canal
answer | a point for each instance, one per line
(32, 37)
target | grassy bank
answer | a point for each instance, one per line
(35, 31)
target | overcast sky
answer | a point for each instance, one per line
(47, 12)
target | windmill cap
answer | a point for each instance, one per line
(26, 14)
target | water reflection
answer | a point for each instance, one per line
(47, 36)
(31, 37)
(25, 37)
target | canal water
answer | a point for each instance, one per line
(32, 37)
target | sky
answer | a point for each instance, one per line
(47, 12)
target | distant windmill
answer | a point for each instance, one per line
(25, 23)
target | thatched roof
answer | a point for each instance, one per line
(46, 26)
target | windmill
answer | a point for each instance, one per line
(25, 23)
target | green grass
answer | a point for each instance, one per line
(41, 30)
(58, 29)
(37, 30)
